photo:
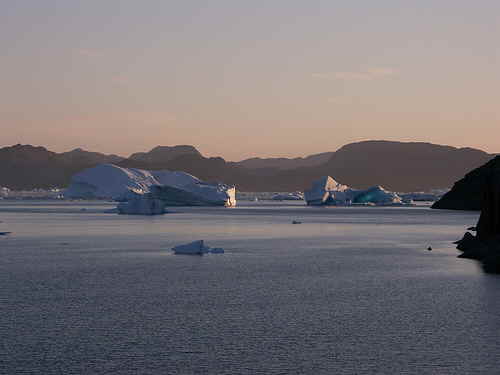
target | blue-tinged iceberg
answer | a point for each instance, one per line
(109, 181)
(328, 192)
(377, 195)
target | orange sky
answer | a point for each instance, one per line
(273, 78)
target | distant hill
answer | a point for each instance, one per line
(79, 156)
(28, 167)
(284, 163)
(466, 193)
(402, 166)
(162, 154)
(399, 166)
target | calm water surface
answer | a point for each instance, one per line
(349, 291)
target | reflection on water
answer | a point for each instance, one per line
(349, 291)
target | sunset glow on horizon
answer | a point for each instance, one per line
(241, 79)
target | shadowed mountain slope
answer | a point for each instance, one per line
(28, 167)
(285, 163)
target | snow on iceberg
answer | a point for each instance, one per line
(173, 188)
(327, 191)
(196, 248)
(377, 195)
(109, 181)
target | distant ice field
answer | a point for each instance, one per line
(351, 290)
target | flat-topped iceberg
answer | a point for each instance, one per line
(196, 248)
(110, 181)
(327, 191)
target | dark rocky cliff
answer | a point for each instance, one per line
(466, 194)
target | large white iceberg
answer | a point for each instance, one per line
(327, 191)
(110, 181)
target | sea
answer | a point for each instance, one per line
(350, 290)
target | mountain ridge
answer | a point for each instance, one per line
(399, 166)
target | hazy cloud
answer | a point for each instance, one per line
(364, 75)
(89, 52)
(334, 99)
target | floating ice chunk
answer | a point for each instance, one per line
(217, 250)
(192, 248)
(141, 204)
(197, 248)
(379, 196)
(295, 196)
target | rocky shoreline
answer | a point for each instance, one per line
(485, 245)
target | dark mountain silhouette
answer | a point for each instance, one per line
(161, 154)
(402, 166)
(79, 156)
(467, 193)
(395, 165)
(285, 163)
(28, 167)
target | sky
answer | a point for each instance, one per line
(269, 78)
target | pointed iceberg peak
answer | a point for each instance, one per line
(326, 191)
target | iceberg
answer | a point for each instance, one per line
(377, 195)
(296, 196)
(216, 250)
(196, 248)
(109, 181)
(4, 192)
(328, 192)
(141, 204)
(423, 196)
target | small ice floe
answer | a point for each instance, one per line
(217, 250)
(196, 248)
(296, 222)
(5, 233)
